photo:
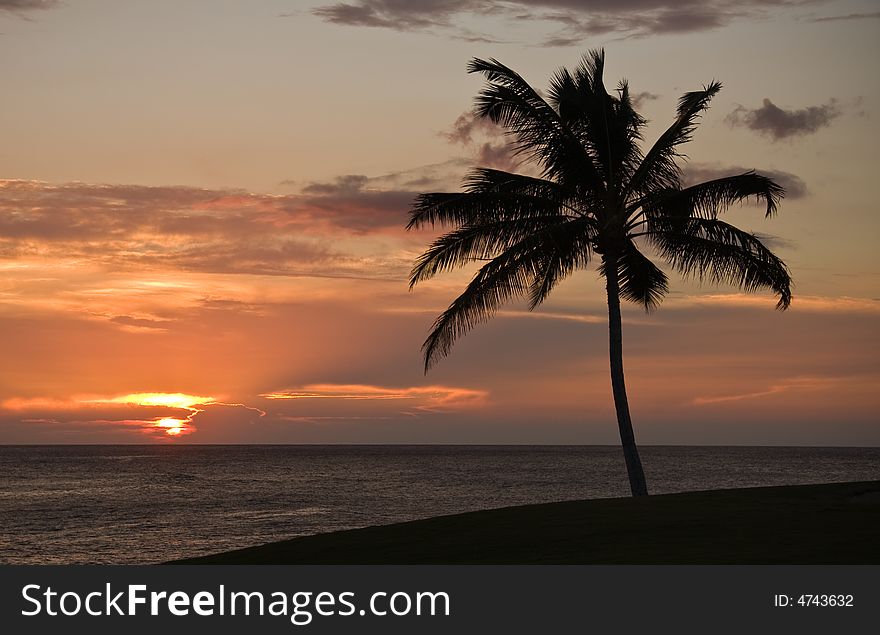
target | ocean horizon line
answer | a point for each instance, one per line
(439, 445)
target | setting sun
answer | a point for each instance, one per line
(173, 427)
(170, 426)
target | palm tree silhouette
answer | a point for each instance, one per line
(598, 197)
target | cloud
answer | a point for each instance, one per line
(346, 184)
(408, 16)
(794, 384)
(21, 6)
(849, 16)
(576, 19)
(445, 175)
(467, 124)
(794, 185)
(485, 140)
(393, 15)
(138, 417)
(811, 304)
(145, 260)
(778, 123)
(87, 416)
(639, 99)
(159, 416)
(417, 398)
(352, 203)
(84, 210)
(644, 19)
(124, 227)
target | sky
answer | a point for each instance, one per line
(202, 211)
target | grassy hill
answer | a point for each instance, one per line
(809, 524)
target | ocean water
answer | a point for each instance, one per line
(146, 504)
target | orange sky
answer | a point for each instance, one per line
(201, 239)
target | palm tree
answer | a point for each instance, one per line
(598, 198)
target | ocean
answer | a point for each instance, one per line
(148, 504)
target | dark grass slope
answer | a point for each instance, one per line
(808, 524)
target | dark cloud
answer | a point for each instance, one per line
(849, 16)
(139, 323)
(346, 184)
(396, 14)
(683, 18)
(697, 172)
(639, 99)
(436, 177)
(485, 140)
(779, 123)
(21, 6)
(31, 209)
(408, 16)
(776, 242)
(495, 155)
(467, 124)
(577, 18)
(349, 201)
(191, 229)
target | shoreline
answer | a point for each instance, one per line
(834, 523)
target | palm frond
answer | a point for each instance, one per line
(568, 248)
(540, 134)
(512, 273)
(606, 125)
(478, 242)
(477, 208)
(489, 195)
(710, 198)
(659, 169)
(714, 250)
(496, 282)
(491, 180)
(631, 123)
(640, 280)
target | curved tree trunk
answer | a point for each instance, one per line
(637, 482)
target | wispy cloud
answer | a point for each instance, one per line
(23, 6)
(354, 203)
(409, 16)
(795, 187)
(154, 414)
(486, 142)
(575, 20)
(641, 98)
(586, 318)
(848, 16)
(780, 123)
(196, 230)
(422, 397)
(793, 384)
(348, 203)
(823, 304)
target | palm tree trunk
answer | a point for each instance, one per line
(637, 483)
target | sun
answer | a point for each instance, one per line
(173, 427)
(170, 426)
